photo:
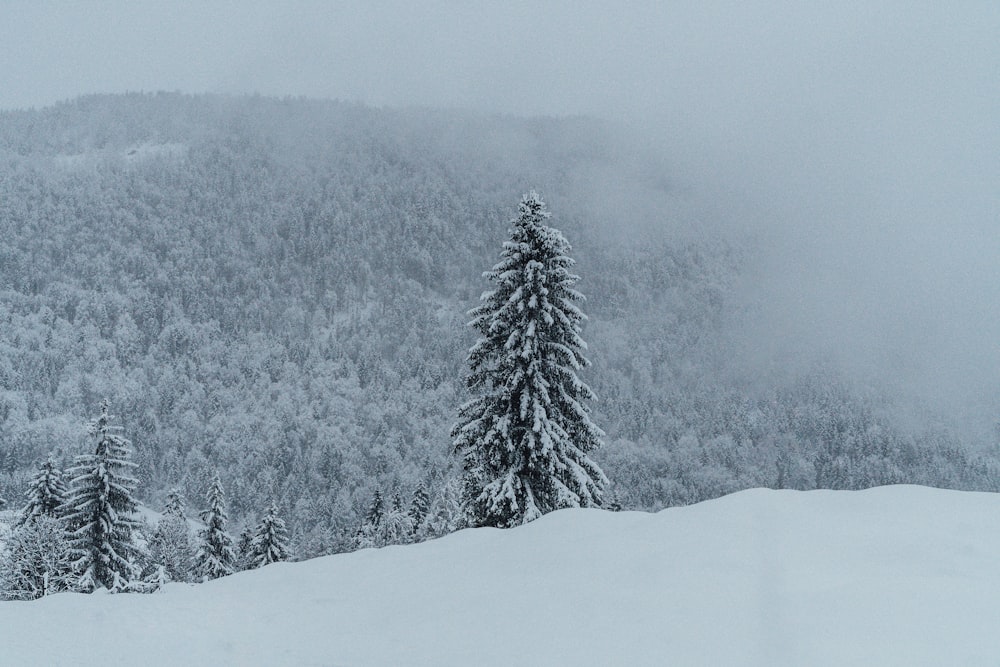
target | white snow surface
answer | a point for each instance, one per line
(898, 575)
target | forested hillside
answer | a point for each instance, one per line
(277, 290)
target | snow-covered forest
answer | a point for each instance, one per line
(277, 290)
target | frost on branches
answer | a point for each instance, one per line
(170, 546)
(524, 440)
(100, 511)
(46, 493)
(215, 557)
(35, 561)
(382, 528)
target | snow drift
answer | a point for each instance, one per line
(890, 576)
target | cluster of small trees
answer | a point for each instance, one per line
(422, 520)
(86, 534)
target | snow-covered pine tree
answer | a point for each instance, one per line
(100, 511)
(419, 506)
(175, 505)
(215, 557)
(46, 493)
(445, 514)
(244, 549)
(377, 510)
(170, 546)
(524, 440)
(270, 540)
(395, 527)
(368, 532)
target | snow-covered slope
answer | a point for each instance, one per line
(891, 576)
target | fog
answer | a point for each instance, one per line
(858, 145)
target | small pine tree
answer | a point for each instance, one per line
(383, 528)
(215, 557)
(445, 514)
(100, 511)
(244, 550)
(170, 547)
(397, 526)
(36, 560)
(270, 540)
(46, 493)
(524, 440)
(613, 502)
(175, 505)
(377, 510)
(419, 506)
(366, 536)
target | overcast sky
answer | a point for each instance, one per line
(864, 135)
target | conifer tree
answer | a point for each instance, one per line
(524, 440)
(395, 527)
(175, 505)
(369, 532)
(270, 540)
(377, 510)
(100, 511)
(419, 506)
(445, 513)
(46, 493)
(215, 557)
(170, 546)
(244, 549)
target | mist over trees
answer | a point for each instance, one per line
(276, 289)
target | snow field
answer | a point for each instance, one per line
(890, 576)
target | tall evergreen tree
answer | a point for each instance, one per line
(270, 540)
(524, 440)
(215, 557)
(46, 493)
(100, 511)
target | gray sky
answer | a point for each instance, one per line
(860, 139)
